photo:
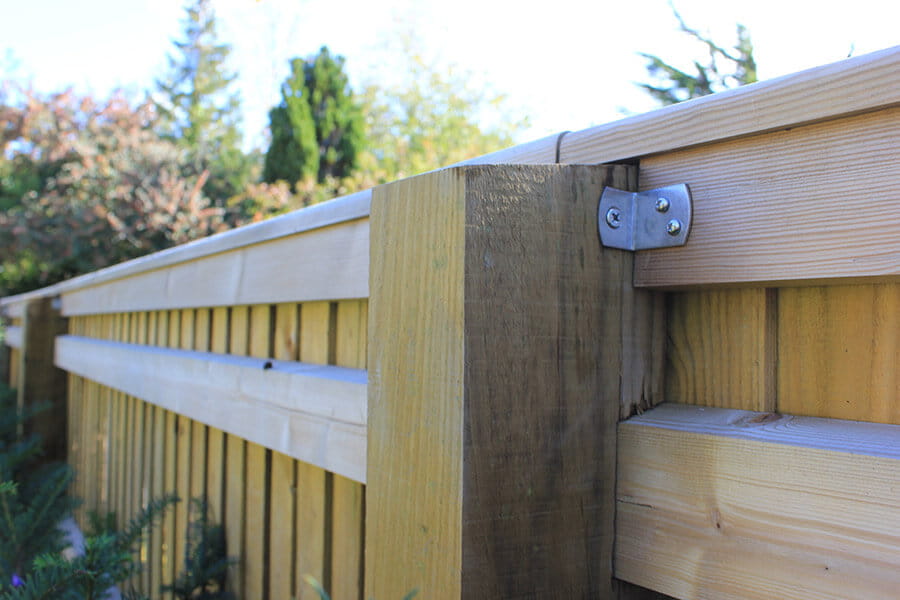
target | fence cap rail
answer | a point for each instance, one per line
(856, 85)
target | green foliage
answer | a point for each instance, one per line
(33, 496)
(110, 189)
(108, 559)
(205, 562)
(197, 109)
(672, 85)
(318, 129)
(432, 118)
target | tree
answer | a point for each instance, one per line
(672, 85)
(107, 189)
(432, 118)
(318, 128)
(198, 109)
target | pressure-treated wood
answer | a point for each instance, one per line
(808, 203)
(348, 496)
(839, 352)
(497, 352)
(314, 413)
(727, 505)
(248, 275)
(256, 534)
(722, 348)
(38, 381)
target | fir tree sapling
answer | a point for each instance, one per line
(33, 498)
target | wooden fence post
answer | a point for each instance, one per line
(39, 380)
(504, 342)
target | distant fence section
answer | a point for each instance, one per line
(446, 384)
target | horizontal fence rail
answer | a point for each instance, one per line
(314, 413)
(446, 384)
(791, 507)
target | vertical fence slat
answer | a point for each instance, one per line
(348, 496)
(235, 461)
(707, 368)
(313, 484)
(257, 501)
(183, 453)
(282, 541)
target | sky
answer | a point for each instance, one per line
(565, 64)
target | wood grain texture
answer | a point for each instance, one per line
(414, 520)
(311, 412)
(256, 532)
(773, 208)
(312, 513)
(282, 530)
(839, 352)
(729, 505)
(235, 463)
(722, 348)
(39, 381)
(492, 425)
(347, 560)
(352, 207)
(249, 275)
(860, 84)
(254, 559)
(348, 496)
(183, 451)
(317, 323)
(235, 477)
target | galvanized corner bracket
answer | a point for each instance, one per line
(659, 218)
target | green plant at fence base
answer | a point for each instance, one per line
(33, 496)
(205, 562)
(108, 559)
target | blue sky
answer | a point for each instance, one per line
(566, 64)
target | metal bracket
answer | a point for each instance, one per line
(659, 218)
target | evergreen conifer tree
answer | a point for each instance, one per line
(198, 106)
(33, 496)
(672, 85)
(318, 129)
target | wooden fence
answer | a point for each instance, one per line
(447, 384)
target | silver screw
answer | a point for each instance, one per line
(673, 227)
(662, 205)
(614, 218)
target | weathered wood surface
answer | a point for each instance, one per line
(807, 203)
(311, 412)
(826, 351)
(728, 504)
(13, 336)
(492, 425)
(38, 381)
(722, 348)
(839, 352)
(248, 275)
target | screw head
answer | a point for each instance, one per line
(614, 217)
(673, 227)
(662, 205)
